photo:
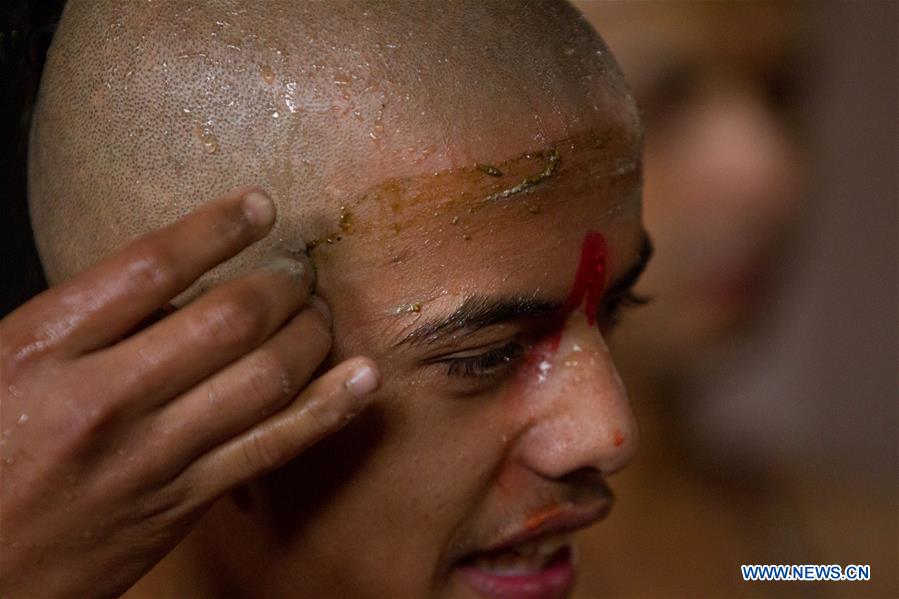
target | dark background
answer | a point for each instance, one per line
(26, 28)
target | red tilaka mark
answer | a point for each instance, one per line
(590, 279)
(588, 287)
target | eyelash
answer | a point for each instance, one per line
(491, 363)
(611, 311)
(486, 364)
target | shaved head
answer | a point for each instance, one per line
(448, 162)
(148, 109)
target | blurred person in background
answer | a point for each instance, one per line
(723, 162)
(723, 180)
(722, 90)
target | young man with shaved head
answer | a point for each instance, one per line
(457, 189)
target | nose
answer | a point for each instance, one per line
(580, 417)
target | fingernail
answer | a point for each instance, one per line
(320, 305)
(291, 252)
(364, 381)
(259, 208)
(299, 268)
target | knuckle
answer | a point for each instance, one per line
(232, 322)
(24, 345)
(170, 500)
(88, 424)
(99, 416)
(11, 360)
(163, 514)
(268, 379)
(324, 415)
(261, 454)
(151, 268)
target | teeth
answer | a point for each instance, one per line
(545, 547)
(524, 559)
(508, 563)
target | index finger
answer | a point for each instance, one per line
(100, 305)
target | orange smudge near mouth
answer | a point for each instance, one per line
(542, 515)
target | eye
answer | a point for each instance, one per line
(487, 364)
(613, 306)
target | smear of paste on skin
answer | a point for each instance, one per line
(552, 161)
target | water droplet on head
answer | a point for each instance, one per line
(289, 97)
(342, 79)
(268, 75)
(346, 220)
(23, 418)
(206, 137)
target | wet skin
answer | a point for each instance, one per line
(344, 115)
(457, 457)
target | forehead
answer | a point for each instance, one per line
(419, 246)
(451, 107)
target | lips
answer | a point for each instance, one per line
(532, 561)
(514, 577)
(524, 559)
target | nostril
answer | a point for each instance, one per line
(584, 477)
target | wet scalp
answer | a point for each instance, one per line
(148, 109)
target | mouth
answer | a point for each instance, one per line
(534, 562)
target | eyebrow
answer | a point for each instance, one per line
(479, 311)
